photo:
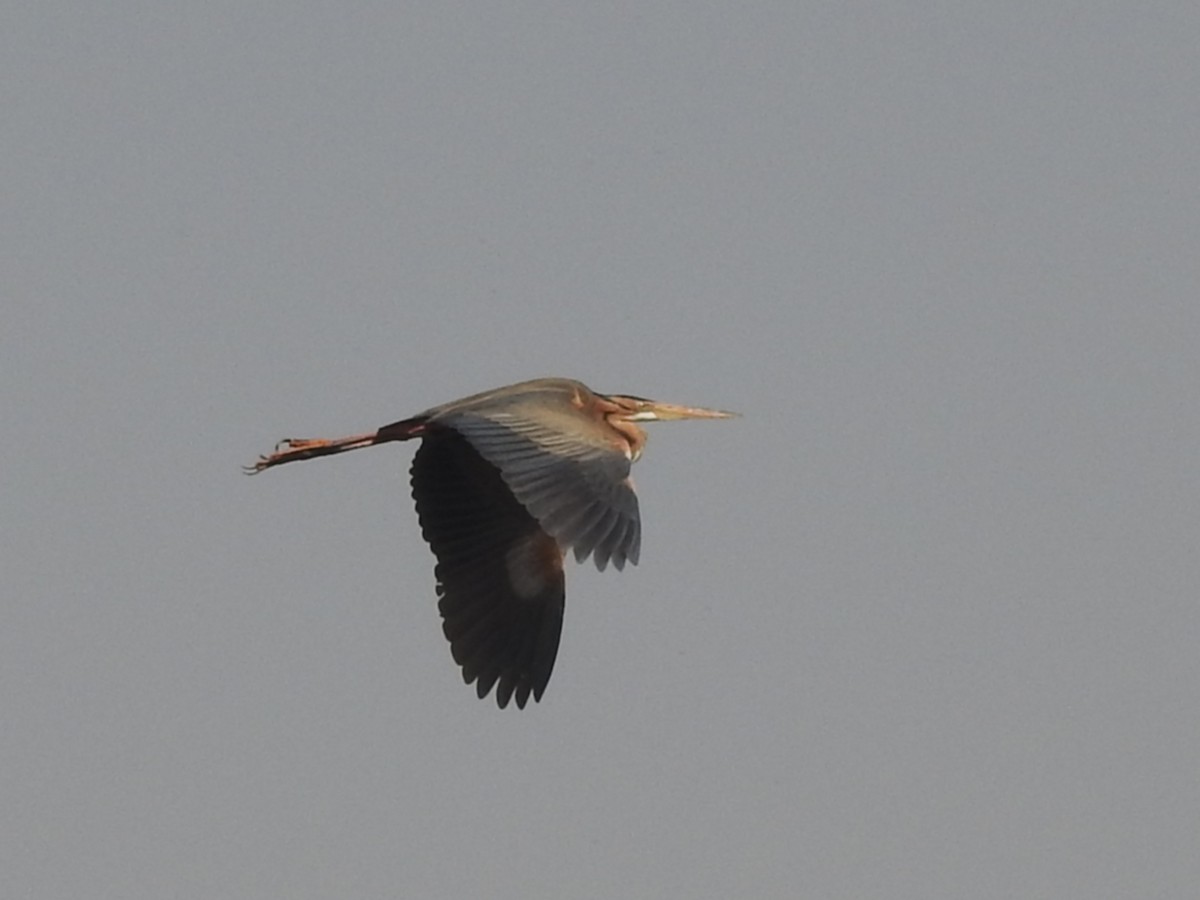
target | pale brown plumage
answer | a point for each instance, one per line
(505, 483)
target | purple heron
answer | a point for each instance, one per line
(506, 483)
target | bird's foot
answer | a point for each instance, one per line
(287, 450)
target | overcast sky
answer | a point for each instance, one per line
(922, 624)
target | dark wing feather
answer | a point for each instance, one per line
(500, 579)
(574, 483)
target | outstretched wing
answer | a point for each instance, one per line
(572, 481)
(499, 574)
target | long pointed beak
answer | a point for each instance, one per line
(652, 411)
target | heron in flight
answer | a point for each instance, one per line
(506, 483)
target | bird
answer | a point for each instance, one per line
(506, 483)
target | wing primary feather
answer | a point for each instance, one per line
(503, 634)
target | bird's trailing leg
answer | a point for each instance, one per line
(293, 449)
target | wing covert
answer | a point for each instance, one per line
(577, 487)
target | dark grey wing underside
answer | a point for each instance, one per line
(500, 579)
(578, 489)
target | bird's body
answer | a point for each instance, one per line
(505, 483)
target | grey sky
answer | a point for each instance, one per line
(922, 624)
